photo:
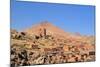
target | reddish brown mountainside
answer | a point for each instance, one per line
(45, 43)
(50, 29)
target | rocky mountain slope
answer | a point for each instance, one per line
(45, 43)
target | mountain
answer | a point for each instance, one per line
(50, 30)
(45, 43)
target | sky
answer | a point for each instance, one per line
(69, 17)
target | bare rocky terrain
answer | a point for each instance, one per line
(45, 43)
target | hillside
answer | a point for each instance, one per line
(45, 43)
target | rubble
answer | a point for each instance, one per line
(46, 48)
